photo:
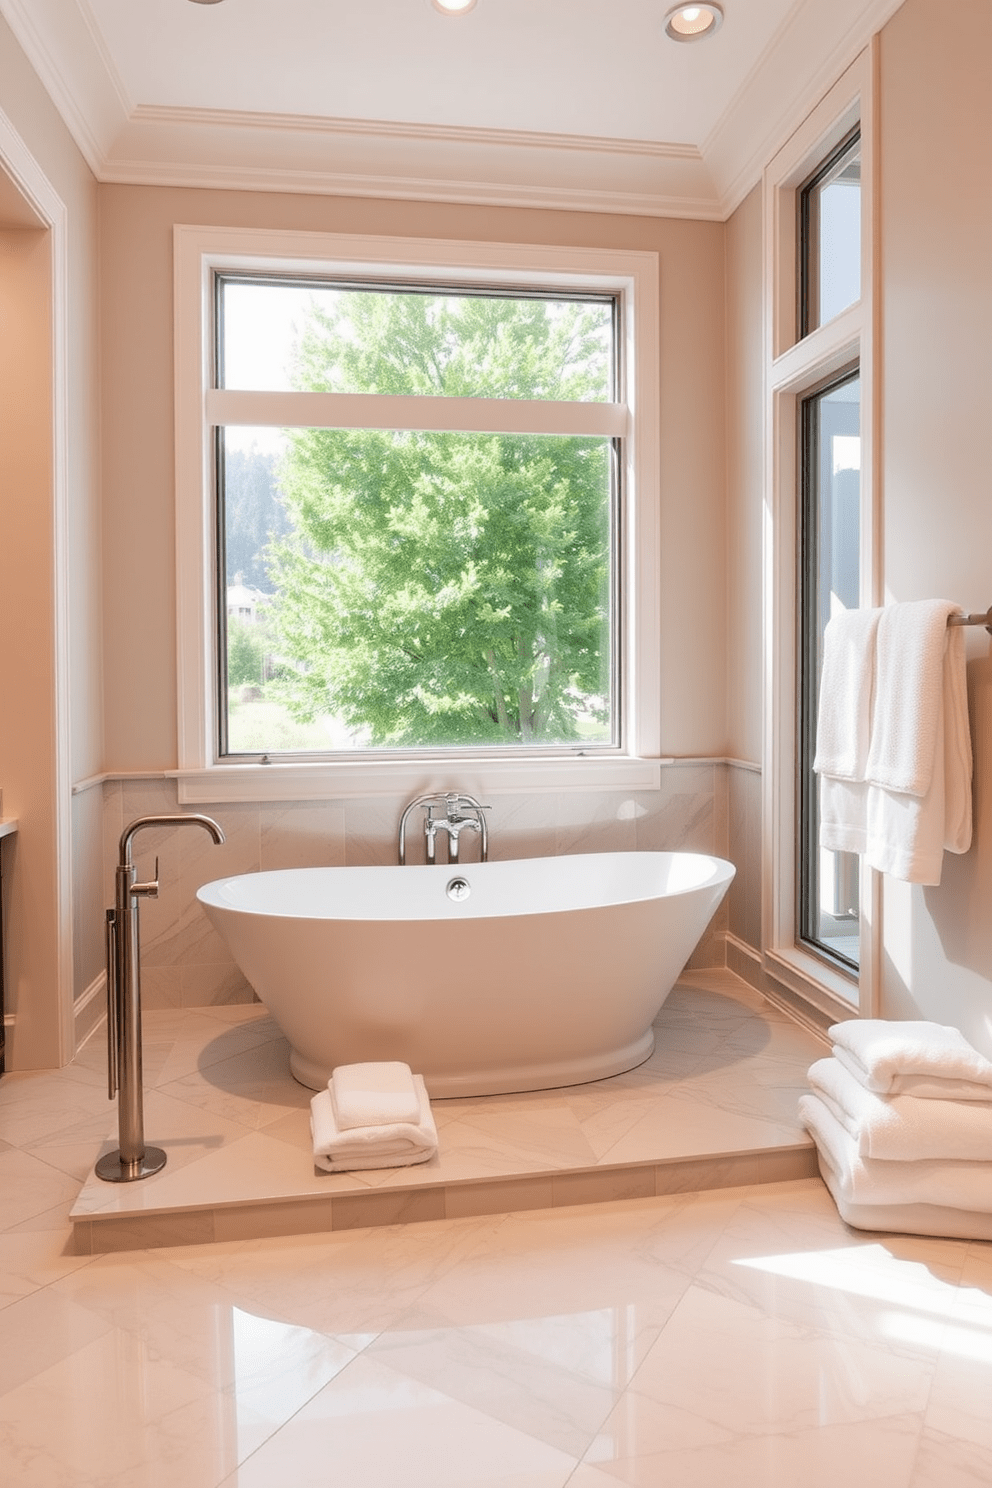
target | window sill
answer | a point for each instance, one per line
(362, 778)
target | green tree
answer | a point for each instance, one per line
(447, 588)
(245, 653)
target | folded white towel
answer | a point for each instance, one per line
(906, 717)
(929, 1060)
(866, 1180)
(909, 1219)
(847, 682)
(396, 1146)
(374, 1094)
(903, 1128)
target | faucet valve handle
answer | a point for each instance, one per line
(149, 890)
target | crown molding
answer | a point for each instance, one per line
(351, 157)
(798, 67)
(63, 45)
(407, 188)
(391, 129)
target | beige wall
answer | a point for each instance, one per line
(139, 617)
(36, 733)
(936, 133)
(745, 470)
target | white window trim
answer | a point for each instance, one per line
(793, 368)
(198, 252)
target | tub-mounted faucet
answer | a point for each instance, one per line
(461, 813)
(132, 1159)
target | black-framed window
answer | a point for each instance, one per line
(827, 889)
(829, 204)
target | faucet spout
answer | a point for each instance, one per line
(460, 811)
(168, 819)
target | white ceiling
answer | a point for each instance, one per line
(572, 103)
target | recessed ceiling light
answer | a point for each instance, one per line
(206, 2)
(693, 22)
(453, 7)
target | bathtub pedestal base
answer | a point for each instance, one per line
(510, 1081)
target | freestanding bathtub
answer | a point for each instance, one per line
(485, 978)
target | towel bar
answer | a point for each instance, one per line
(985, 619)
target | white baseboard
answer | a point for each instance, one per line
(746, 962)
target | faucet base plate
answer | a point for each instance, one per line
(113, 1169)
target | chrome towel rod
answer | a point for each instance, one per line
(985, 619)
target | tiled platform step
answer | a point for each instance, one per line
(714, 1107)
(314, 1214)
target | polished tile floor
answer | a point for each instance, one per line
(741, 1337)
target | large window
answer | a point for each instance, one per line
(820, 907)
(417, 585)
(417, 515)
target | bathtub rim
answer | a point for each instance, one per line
(211, 894)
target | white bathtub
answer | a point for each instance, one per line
(550, 972)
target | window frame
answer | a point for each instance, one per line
(795, 366)
(199, 253)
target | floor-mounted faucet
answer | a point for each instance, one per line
(132, 1159)
(461, 814)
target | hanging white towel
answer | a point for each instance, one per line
(378, 1093)
(843, 729)
(906, 719)
(928, 1060)
(395, 1146)
(847, 684)
(870, 1181)
(903, 1128)
(907, 834)
(909, 799)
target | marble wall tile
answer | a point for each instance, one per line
(524, 826)
(310, 835)
(213, 986)
(371, 830)
(161, 986)
(590, 822)
(682, 814)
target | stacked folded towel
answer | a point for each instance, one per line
(901, 1115)
(375, 1115)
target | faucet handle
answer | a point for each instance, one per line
(150, 889)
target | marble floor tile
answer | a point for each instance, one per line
(374, 1425)
(743, 1336)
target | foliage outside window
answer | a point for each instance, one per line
(400, 584)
